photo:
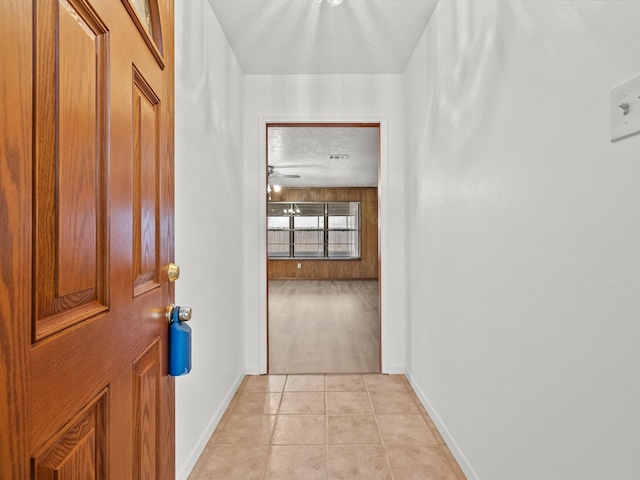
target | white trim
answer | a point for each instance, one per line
(253, 370)
(200, 445)
(453, 446)
(383, 183)
(396, 370)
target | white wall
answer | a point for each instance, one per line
(209, 203)
(376, 98)
(523, 237)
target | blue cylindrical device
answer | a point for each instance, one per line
(179, 348)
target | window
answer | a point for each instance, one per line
(314, 230)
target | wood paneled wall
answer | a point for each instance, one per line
(365, 268)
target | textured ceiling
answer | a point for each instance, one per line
(306, 37)
(305, 151)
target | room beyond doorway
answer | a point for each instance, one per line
(323, 253)
(323, 326)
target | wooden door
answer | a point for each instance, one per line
(86, 225)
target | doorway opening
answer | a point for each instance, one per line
(323, 248)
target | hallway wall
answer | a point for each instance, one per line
(344, 98)
(208, 199)
(523, 237)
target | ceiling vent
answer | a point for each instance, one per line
(339, 156)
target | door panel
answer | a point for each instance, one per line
(80, 449)
(84, 339)
(79, 167)
(146, 403)
(146, 110)
(70, 167)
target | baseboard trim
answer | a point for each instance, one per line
(395, 370)
(454, 448)
(252, 370)
(200, 445)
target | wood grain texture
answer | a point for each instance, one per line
(323, 326)
(80, 450)
(153, 38)
(71, 365)
(166, 426)
(365, 268)
(55, 413)
(15, 235)
(76, 157)
(146, 195)
(71, 94)
(146, 397)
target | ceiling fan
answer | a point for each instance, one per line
(272, 174)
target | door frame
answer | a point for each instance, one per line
(383, 228)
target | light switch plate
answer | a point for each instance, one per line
(625, 97)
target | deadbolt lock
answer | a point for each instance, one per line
(173, 272)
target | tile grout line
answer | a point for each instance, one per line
(375, 419)
(442, 447)
(273, 431)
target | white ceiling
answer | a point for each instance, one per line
(306, 37)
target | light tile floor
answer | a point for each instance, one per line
(304, 427)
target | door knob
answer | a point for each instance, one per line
(173, 272)
(178, 314)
